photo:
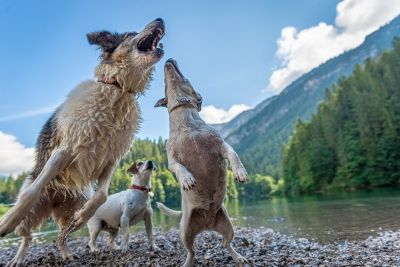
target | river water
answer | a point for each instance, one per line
(329, 218)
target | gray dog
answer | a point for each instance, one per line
(126, 208)
(197, 155)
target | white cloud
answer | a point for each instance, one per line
(29, 113)
(301, 51)
(214, 115)
(14, 157)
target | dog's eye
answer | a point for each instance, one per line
(140, 163)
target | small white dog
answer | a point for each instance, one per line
(125, 209)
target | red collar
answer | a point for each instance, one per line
(142, 188)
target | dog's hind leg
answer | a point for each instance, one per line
(34, 219)
(90, 207)
(31, 195)
(111, 240)
(189, 230)
(19, 258)
(94, 226)
(224, 226)
(64, 207)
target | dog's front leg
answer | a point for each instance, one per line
(90, 207)
(58, 160)
(239, 172)
(149, 229)
(124, 221)
(184, 176)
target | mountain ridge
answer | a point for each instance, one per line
(267, 127)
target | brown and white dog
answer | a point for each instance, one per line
(197, 155)
(125, 209)
(85, 138)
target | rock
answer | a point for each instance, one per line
(261, 246)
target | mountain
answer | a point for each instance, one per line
(258, 135)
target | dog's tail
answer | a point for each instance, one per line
(169, 212)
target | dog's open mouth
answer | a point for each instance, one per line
(151, 42)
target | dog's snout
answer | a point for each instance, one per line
(151, 165)
(159, 22)
(171, 60)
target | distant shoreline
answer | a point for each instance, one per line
(263, 247)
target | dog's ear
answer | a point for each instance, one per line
(161, 103)
(133, 169)
(104, 39)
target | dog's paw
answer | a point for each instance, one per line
(123, 248)
(155, 248)
(15, 262)
(240, 174)
(115, 247)
(242, 261)
(188, 182)
(69, 256)
(9, 222)
(5, 230)
(94, 249)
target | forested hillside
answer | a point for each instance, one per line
(353, 141)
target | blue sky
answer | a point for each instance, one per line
(236, 54)
(226, 48)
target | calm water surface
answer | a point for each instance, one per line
(336, 217)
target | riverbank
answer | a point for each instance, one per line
(263, 247)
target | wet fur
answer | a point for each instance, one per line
(81, 143)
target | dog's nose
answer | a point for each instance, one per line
(159, 19)
(151, 165)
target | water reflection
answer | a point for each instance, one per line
(336, 217)
(344, 216)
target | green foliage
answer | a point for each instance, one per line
(259, 187)
(3, 209)
(353, 141)
(165, 187)
(9, 188)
